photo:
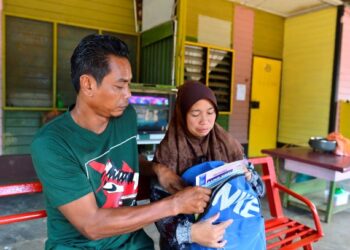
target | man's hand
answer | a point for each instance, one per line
(209, 235)
(168, 179)
(191, 200)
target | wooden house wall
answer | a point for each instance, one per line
(220, 9)
(306, 44)
(243, 33)
(257, 33)
(268, 35)
(344, 72)
(157, 54)
(343, 95)
(115, 15)
(309, 44)
(19, 127)
(1, 78)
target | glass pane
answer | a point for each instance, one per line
(195, 63)
(68, 38)
(220, 77)
(28, 63)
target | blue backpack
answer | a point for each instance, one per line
(235, 199)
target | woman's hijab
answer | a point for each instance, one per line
(180, 150)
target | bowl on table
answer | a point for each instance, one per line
(319, 143)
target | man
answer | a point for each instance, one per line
(87, 159)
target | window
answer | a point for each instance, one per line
(37, 74)
(38, 62)
(212, 67)
(28, 63)
(67, 39)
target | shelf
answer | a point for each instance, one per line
(221, 70)
(194, 74)
(220, 76)
(318, 199)
(218, 85)
(220, 92)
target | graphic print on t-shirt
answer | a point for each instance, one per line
(119, 185)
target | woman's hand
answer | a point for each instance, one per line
(168, 179)
(248, 174)
(209, 235)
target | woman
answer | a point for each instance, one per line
(193, 137)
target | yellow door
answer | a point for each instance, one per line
(344, 119)
(264, 105)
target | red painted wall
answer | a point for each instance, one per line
(243, 45)
(344, 76)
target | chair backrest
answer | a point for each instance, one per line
(20, 188)
(269, 177)
(17, 169)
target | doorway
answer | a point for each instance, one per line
(264, 105)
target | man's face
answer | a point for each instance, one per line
(111, 97)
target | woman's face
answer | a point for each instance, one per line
(200, 119)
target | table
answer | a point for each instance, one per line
(321, 165)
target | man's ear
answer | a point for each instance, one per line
(87, 85)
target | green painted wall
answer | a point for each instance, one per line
(309, 43)
(157, 54)
(20, 129)
(223, 120)
(268, 35)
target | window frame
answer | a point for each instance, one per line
(206, 68)
(54, 59)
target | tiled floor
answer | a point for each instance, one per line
(31, 235)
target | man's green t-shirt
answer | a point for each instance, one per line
(71, 162)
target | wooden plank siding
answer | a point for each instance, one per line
(106, 16)
(221, 9)
(266, 39)
(157, 62)
(1, 77)
(157, 54)
(308, 57)
(243, 44)
(20, 129)
(343, 93)
(344, 72)
(268, 35)
(116, 15)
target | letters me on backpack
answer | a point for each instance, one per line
(235, 199)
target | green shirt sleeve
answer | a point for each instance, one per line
(62, 177)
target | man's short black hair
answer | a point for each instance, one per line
(91, 57)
